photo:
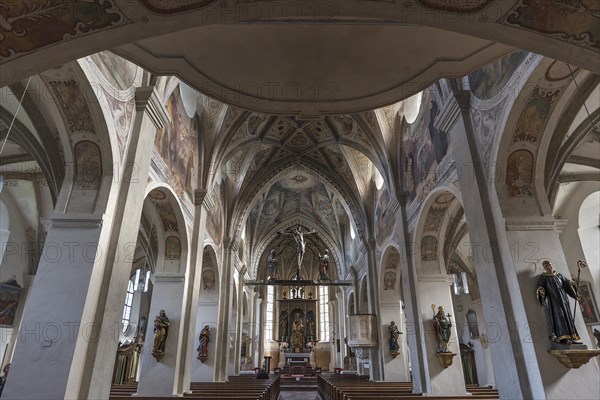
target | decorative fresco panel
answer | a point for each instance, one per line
(119, 72)
(88, 166)
(389, 280)
(422, 153)
(122, 112)
(488, 82)
(576, 22)
(531, 121)
(384, 220)
(172, 248)
(208, 279)
(167, 216)
(33, 24)
(177, 143)
(214, 220)
(519, 173)
(485, 125)
(434, 219)
(429, 248)
(74, 106)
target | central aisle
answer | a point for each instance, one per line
(299, 395)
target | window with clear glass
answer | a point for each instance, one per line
(324, 313)
(269, 315)
(127, 307)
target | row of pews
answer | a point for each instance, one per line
(353, 387)
(244, 387)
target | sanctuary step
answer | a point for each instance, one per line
(292, 382)
(125, 389)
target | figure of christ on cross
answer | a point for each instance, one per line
(300, 244)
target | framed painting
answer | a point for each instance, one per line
(10, 294)
(589, 308)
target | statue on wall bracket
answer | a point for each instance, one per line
(553, 292)
(161, 331)
(394, 334)
(204, 339)
(442, 325)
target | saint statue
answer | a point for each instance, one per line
(203, 346)
(394, 334)
(310, 327)
(161, 331)
(324, 266)
(283, 327)
(552, 291)
(300, 243)
(297, 334)
(442, 326)
(272, 260)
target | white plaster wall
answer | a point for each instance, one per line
(395, 369)
(483, 357)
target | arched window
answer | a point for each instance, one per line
(324, 313)
(127, 307)
(269, 316)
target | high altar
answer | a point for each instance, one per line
(297, 324)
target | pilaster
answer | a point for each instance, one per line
(159, 377)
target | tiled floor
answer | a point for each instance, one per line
(298, 395)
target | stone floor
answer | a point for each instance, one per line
(298, 395)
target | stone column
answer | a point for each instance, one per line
(258, 330)
(159, 377)
(45, 351)
(80, 249)
(230, 248)
(238, 325)
(340, 329)
(189, 332)
(513, 355)
(377, 369)
(415, 333)
(450, 380)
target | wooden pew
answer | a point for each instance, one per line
(238, 388)
(340, 387)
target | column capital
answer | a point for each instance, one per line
(169, 277)
(76, 221)
(230, 244)
(203, 198)
(535, 224)
(146, 99)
